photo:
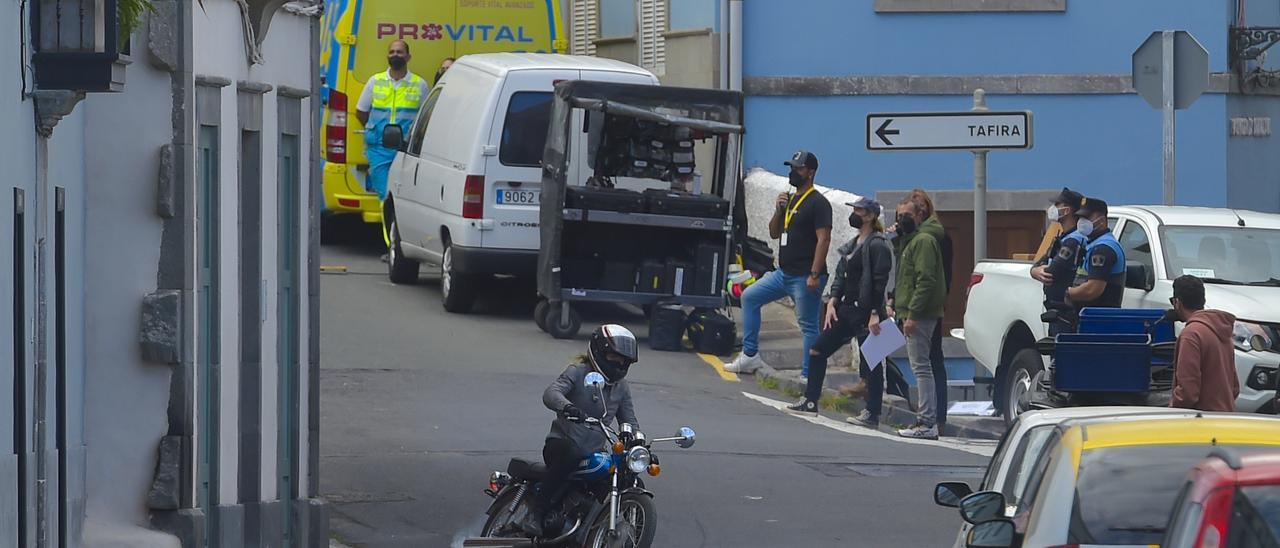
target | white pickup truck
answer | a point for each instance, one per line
(1236, 252)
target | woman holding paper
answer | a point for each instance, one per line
(856, 307)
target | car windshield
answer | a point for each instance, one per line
(1124, 494)
(1224, 255)
(1257, 510)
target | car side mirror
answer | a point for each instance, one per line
(982, 506)
(950, 493)
(1138, 276)
(393, 137)
(997, 533)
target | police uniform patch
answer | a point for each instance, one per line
(1065, 253)
(1097, 260)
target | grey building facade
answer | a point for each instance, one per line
(160, 336)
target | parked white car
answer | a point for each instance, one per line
(1022, 446)
(1236, 252)
(465, 191)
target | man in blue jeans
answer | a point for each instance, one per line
(802, 225)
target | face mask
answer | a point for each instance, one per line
(796, 179)
(1084, 226)
(906, 225)
(855, 221)
(1053, 214)
(396, 62)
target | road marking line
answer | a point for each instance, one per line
(983, 448)
(718, 365)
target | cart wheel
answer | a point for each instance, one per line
(540, 314)
(562, 328)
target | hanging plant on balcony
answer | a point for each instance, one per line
(129, 14)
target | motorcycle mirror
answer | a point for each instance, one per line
(595, 379)
(687, 437)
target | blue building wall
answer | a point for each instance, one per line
(1103, 144)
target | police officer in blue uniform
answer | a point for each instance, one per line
(1057, 268)
(1100, 276)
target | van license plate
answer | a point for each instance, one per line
(519, 197)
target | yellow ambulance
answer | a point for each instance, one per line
(354, 39)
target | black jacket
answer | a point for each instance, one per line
(571, 387)
(874, 263)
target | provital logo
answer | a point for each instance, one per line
(435, 31)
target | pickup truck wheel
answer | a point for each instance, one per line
(457, 291)
(1023, 371)
(400, 269)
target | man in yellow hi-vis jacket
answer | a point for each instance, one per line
(391, 97)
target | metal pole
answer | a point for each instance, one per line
(724, 44)
(979, 188)
(735, 45)
(1167, 106)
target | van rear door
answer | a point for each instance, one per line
(513, 159)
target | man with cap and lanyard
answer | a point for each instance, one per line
(1057, 268)
(802, 225)
(1100, 277)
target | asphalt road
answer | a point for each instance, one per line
(418, 406)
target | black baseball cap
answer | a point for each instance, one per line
(867, 204)
(1089, 206)
(803, 158)
(1069, 197)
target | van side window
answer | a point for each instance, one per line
(420, 125)
(524, 131)
(1136, 245)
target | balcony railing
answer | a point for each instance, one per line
(78, 46)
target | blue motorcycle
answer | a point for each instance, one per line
(606, 503)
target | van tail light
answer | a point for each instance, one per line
(335, 129)
(1217, 514)
(473, 197)
(974, 279)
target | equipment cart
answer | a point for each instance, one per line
(625, 215)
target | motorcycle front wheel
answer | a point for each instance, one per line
(637, 524)
(506, 516)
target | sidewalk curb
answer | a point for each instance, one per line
(895, 409)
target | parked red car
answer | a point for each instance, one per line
(1229, 501)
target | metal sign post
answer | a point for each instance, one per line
(1170, 71)
(977, 130)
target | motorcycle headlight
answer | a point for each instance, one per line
(1250, 337)
(638, 460)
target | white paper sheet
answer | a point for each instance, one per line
(979, 408)
(878, 347)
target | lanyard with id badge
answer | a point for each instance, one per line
(791, 212)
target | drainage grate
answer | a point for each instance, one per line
(858, 469)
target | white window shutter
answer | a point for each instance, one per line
(653, 47)
(586, 20)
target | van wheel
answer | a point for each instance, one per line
(457, 291)
(1023, 373)
(562, 327)
(401, 269)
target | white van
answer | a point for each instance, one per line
(465, 192)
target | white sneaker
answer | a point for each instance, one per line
(920, 432)
(744, 364)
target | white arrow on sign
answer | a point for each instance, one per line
(968, 130)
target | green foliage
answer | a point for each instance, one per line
(129, 15)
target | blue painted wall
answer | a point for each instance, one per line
(1108, 145)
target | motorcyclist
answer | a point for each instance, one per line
(1057, 268)
(1100, 278)
(611, 352)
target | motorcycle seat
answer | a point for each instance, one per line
(527, 470)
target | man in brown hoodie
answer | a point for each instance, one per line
(1205, 368)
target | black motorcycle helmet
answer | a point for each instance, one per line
(612, 350)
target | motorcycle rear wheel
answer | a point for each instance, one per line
(637, 524)
(506, 516)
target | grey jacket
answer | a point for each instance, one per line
(571, 387)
